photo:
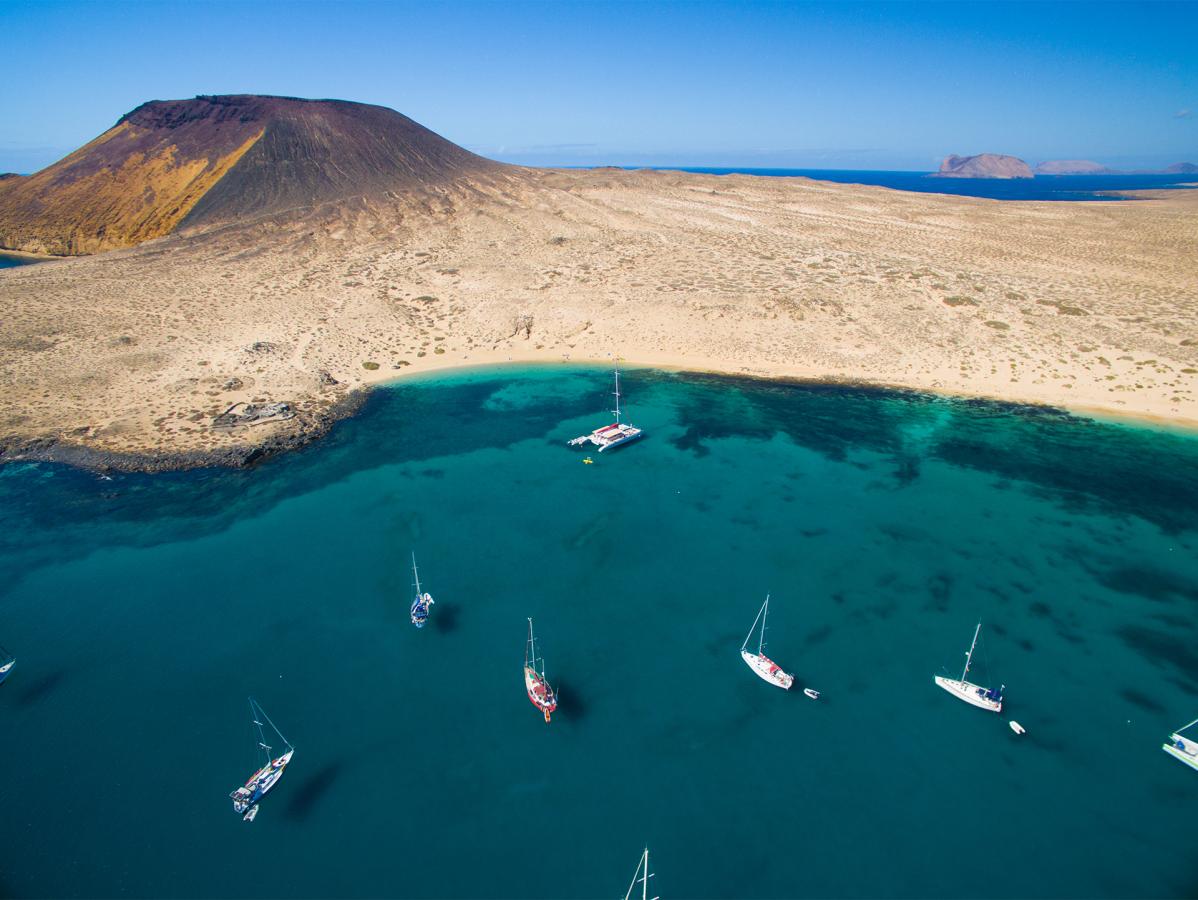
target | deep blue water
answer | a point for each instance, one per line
(144, 609)
(1042, 187)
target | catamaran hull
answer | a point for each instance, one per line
(1187, 753)
(609, 436)
(969, 692)
(767, 670)
(624, 441)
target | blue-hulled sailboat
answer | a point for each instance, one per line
(245, 798)
(420, 606)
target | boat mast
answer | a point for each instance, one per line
(643, 864)
(617, 392)
(1184, 727)
(765, 612)
(415, 574)
(258, 710)
(749, 636)
(969, 655)
(530, 647)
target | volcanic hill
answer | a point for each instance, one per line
(172, 164)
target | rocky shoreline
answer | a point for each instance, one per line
(305, 428)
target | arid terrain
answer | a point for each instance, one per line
(1093, 306)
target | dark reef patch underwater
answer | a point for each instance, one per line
(143, 609)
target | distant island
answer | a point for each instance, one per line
(984, 165)
(1073, 167)
(996, 165)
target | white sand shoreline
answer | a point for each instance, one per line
(1106, 414)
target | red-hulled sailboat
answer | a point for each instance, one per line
(539, 691)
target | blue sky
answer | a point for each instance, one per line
(828, 85)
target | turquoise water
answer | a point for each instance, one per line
(144, 609)
(9, 261)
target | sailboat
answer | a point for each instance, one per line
(7, 661)
(245, 798)
(421, 604)
(1183, 748)
(985, 698)
(614, 435)
(539, 691)
(641, 876)
(765, 667)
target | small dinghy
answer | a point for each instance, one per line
(1017, 728)
(766, 668)
(420, 606)
(812, 693)
(251, 813)
(539, 692)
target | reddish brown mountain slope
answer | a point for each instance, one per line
(176, 163)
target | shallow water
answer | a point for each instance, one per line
(9, 261)
(144, 609)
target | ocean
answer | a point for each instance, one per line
(1042, 187)
(144, 609)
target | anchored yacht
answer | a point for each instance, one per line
(614, 435)
(766, 668)
(245, 798)
(1183, 748)
(985, 698)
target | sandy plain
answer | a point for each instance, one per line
(123, 358)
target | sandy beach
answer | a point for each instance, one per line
(1089, 306)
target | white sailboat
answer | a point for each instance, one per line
(1183, 748)
(984, 698)
(641, 876)
(614, 435)
(245, 798)
(420, 606)
(766, 668)
(7, 661)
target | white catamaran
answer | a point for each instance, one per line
(1183, 748)
(766, 668)
(614, 435)
(420, 606)
(985, 698)
(641, 876)
(246, 797)
(539, 692)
